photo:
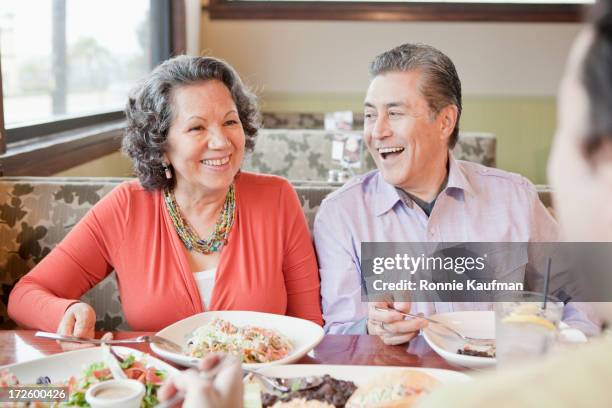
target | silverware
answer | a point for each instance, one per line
(140, 339)
(117, 356)
(472, 340)
(113, 363)
(287, 384)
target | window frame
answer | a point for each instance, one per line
(32, 149)
(394, 11)
(24, 133)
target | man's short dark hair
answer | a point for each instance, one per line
(440, 86)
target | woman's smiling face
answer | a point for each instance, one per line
(206, 142)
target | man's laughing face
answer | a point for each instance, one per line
(402, 133)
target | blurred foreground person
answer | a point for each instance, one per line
(580, 171)
(224, 390)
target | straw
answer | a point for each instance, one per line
(546, 282)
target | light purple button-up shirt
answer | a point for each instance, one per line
(479, 204)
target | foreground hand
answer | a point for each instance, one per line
(226, 389)
(391, 326)
(79, 320)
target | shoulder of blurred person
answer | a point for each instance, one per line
(569, 378)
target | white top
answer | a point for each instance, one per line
(205, 281)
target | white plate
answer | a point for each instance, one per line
(477, 324)
(358, 374)
(60, 367)
(303, 334)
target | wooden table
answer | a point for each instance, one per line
(17, 346)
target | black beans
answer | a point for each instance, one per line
(333, 391)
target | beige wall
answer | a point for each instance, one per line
(112, 165)
(492, 59)
(510, 71)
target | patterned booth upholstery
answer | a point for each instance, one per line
(306, 154)
(36, 213)
(296, 120)
(300, 120)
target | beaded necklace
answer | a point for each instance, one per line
(222, 228)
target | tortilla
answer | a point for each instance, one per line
(396, 389)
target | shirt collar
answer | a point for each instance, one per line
(386, 196)
(456, 176)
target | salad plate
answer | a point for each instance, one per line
(81, 368)
(302, 336)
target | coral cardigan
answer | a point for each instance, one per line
(268, 264)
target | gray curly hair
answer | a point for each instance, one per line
(149, 112)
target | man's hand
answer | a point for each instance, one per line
(79, 320)
(391, 326)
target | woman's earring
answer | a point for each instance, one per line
(167, 171)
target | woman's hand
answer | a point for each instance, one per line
(391, 326)
(80, 321)
(226, 390)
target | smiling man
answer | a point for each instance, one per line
(419, 193)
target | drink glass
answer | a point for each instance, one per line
(332, 176)
(523, 329)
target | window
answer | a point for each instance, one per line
(67, 65)
(62, 58)
(401, 10)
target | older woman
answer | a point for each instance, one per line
(193, 233)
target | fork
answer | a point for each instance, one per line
(472, 340)
(287, 384)
(140, 339)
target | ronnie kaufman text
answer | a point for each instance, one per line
(426, 285)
